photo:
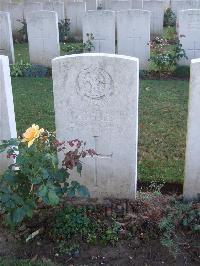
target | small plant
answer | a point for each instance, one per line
(66, 249)
(169, 18)
(88, 46)
(18, 69)
(179, 217)
(35, 177)
(73, 223)
(76, 48)
(156, 187)
(182, 72)
(36, 71)
(110, 235)
(79, 48)
(64, 29)
(164, 57)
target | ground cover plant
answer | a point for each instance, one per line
(153, 229)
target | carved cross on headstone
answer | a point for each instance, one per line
(98, 157)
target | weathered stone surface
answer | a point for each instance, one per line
(7, 114)
(6, 39)
(91, 4)
(96, 100)
(192, 166)
(43, 37)
(157, 15)
(16, 16)
(133, 33)
(30, 7)
(102, 25)
(117, 5)
(178, 5)
(75, 12)
(56, 6)
(189, 33)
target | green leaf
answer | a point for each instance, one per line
(42, 191)
(18, 215)
(83, 191)
(9, 176)
(61, 175)
(53, 198)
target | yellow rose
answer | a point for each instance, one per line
(31, 134)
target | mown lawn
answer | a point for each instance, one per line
(162, 120)
(21, 51)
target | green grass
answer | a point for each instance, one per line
(21, 51)
(33, 102)
(163, 116)
(162, 120)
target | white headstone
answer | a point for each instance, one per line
(7, 114)
(30, 7)
(133, 33)
(178, 5)
(75, 12)
(56, 6)
(137, 4)
(192, 166)
(91, 4)
(117, 5)
(43, 37)
(189, 33)
(102, 25)
(157, 15)
(96, 100)
(6, 39)
(16, 15)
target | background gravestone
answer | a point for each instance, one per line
(43, 37)
(120, 5)
(7, 115)
(189, 33)
(157, 15)
(96, 100)
(6, 39)
(30, 7)
(91, 4)
(178, 5)
(75, 12)
(192, 166)
(102, 25)
(133, 34)
(56, 6)
(16, 16)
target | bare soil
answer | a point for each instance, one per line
(139, 249)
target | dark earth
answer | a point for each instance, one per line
(143, 248)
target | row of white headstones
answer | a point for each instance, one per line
(133, 34)
(96, 100)
(76, 10)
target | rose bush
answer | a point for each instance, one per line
(35, 177)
